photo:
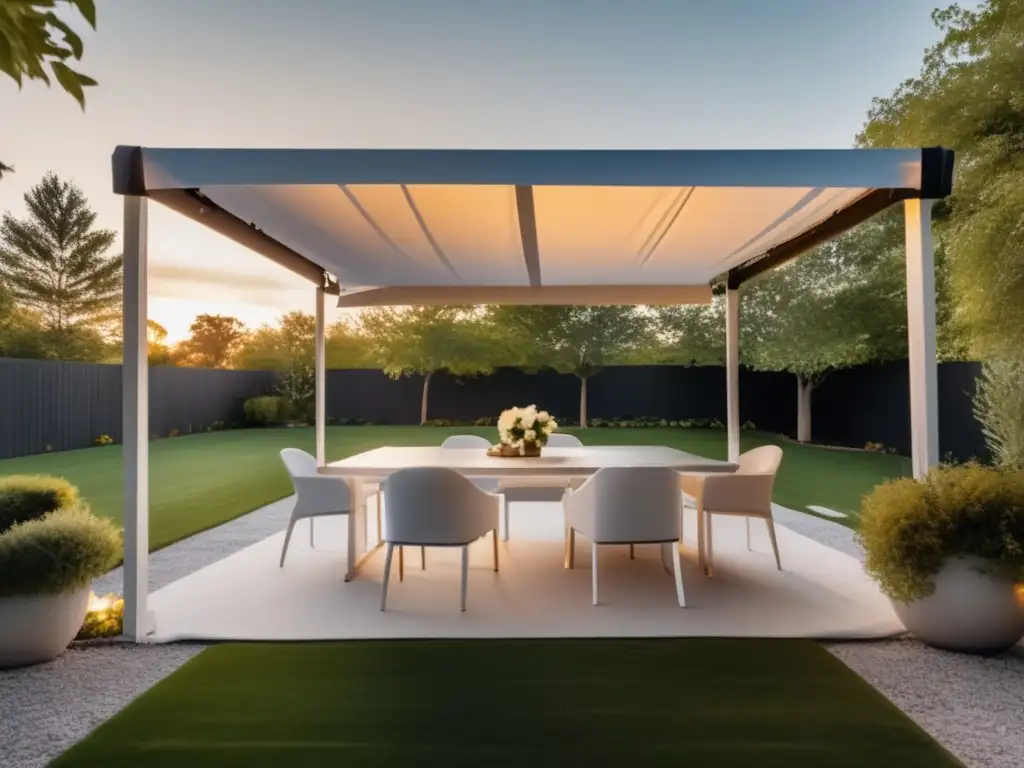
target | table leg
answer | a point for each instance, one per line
(358, 552)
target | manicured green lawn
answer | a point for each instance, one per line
(200, 481)
(701, 702)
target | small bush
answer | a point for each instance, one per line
(103, 440)
(297, 387)
(64, 550)
(216, 426)
(909, 528)
(104, 619)
(265, 411)
(30, 497)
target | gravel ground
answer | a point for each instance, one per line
(973, 706)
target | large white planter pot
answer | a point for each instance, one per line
(37, 628)
(970, 611)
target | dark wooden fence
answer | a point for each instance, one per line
(52, 406)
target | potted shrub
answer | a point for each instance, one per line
(947, 551)
(51, 548)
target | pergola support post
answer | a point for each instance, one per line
(921, 343)
(732, 371)
(320, 376)
(138, 622)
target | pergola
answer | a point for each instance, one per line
(421, 227)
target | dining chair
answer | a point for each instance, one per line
(747, 492)
(543, 489)
(486, 484)
(436, 507)
(626, 505)
(316, 495)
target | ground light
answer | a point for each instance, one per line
(103, 617)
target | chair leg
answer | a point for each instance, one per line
(593, 570)
(775, 543)
(709, 564)
(504, 505)
(287, 538)
(465, 575)
(401, 563)
(387, 577)
(677, 570)
(311, 533)
(380, 528)
(570, 548)
(749, 548)
(632, 553)
(701, 556)
(494, 540)
(423, 558)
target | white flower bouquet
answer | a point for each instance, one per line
(525, 430)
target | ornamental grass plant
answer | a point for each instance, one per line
(910, 528)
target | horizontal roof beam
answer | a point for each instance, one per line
(562, 295)
(910, 169)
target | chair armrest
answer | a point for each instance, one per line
(579, 508)
(322, 494)
(737, 493)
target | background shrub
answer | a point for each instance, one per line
(265, 411)
(64, 550)
(297, 387)
(999, 406)
(29, 497)
(909, 528)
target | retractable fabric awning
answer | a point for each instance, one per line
(529, 226)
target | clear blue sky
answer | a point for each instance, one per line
(441, 73)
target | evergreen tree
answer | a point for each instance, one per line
(55, 263)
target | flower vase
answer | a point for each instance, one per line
(530, 449)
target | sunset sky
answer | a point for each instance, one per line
(444, 74)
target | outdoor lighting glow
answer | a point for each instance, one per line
(101, 604)
(1019, 590)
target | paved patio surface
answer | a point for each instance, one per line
(821, 593)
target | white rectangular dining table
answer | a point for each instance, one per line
(376, 465)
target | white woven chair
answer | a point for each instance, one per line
(436, 507)
(315, 496)
(744, 493)
(486, 484)
(626, 505)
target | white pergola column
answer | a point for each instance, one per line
(320, 375)
(135, 420)
(924, 371)
(732, 371)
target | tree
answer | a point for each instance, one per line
(969, 95)
(347, 347)
(691, 334)
(570, 339)
(425, 340)
(280, 347)
(21, 331)
(841, 305)
(55, 262)
(213, 342)
(29, 43)
(158, 350)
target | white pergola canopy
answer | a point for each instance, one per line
(544, 226)
(389, 227)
